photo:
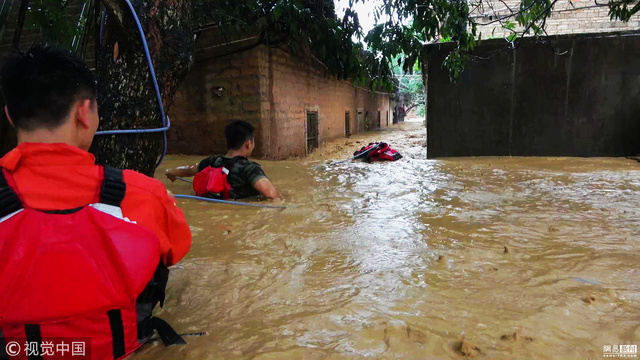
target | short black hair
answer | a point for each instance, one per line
(41, 84)
(237, 133)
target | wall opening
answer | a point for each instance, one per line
(312, 131)
(347, 124)
(368, 122)
(360, 126)
(387, 118)
(379, 119)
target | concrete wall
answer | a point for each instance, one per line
(532, 102)
(567, 17)
(273, 90)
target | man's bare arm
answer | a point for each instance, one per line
(182, 171)
(266, 188)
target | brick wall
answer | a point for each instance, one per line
(297, 85)
(274, 91)
(567, 17)
(200, 112)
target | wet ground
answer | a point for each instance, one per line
(523, 258)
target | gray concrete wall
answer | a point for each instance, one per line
(534, 102)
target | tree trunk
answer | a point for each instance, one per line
(126, 95)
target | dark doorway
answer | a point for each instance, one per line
(379, 119)
(360, 126)
(347, 124)
(312, 131)
(387, 118)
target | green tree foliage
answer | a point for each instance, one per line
(53, 21)
(623, 9)
(403, 29)
(303, 25)
(406, 26)
(412, 84)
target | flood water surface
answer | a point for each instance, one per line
(521, 257)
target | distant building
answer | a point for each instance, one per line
(567, 17)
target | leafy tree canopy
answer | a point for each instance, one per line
(304, 25)
(406, 26)
(403, 29)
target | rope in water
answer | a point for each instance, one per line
(193, 197)
(166, 124)
(587, 281)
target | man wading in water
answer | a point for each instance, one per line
(84, 248)
(247, 179)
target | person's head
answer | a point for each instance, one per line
(239, 136)
(50, 96)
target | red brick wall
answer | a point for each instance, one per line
(297, 85)
(198, 116)
(273, 90)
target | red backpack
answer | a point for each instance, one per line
(85, 274)
(212, 182)
(384, 152)
(377, 151)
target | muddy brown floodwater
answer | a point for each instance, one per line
(496, 258)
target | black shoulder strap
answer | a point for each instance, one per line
(9, 200)
(113, 187)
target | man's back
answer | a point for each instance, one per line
(59, 177)
(97, 239)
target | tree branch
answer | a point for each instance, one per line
(512, 14)
(546, 11)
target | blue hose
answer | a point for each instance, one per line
(136, 131)
(191, 197)
(586, 281)
(165, 121)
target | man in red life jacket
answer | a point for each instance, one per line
(245, 177)
(84, 248)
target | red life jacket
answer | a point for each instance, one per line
(212, 181)
(377, 151)
(384, 152)
(79, 273)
